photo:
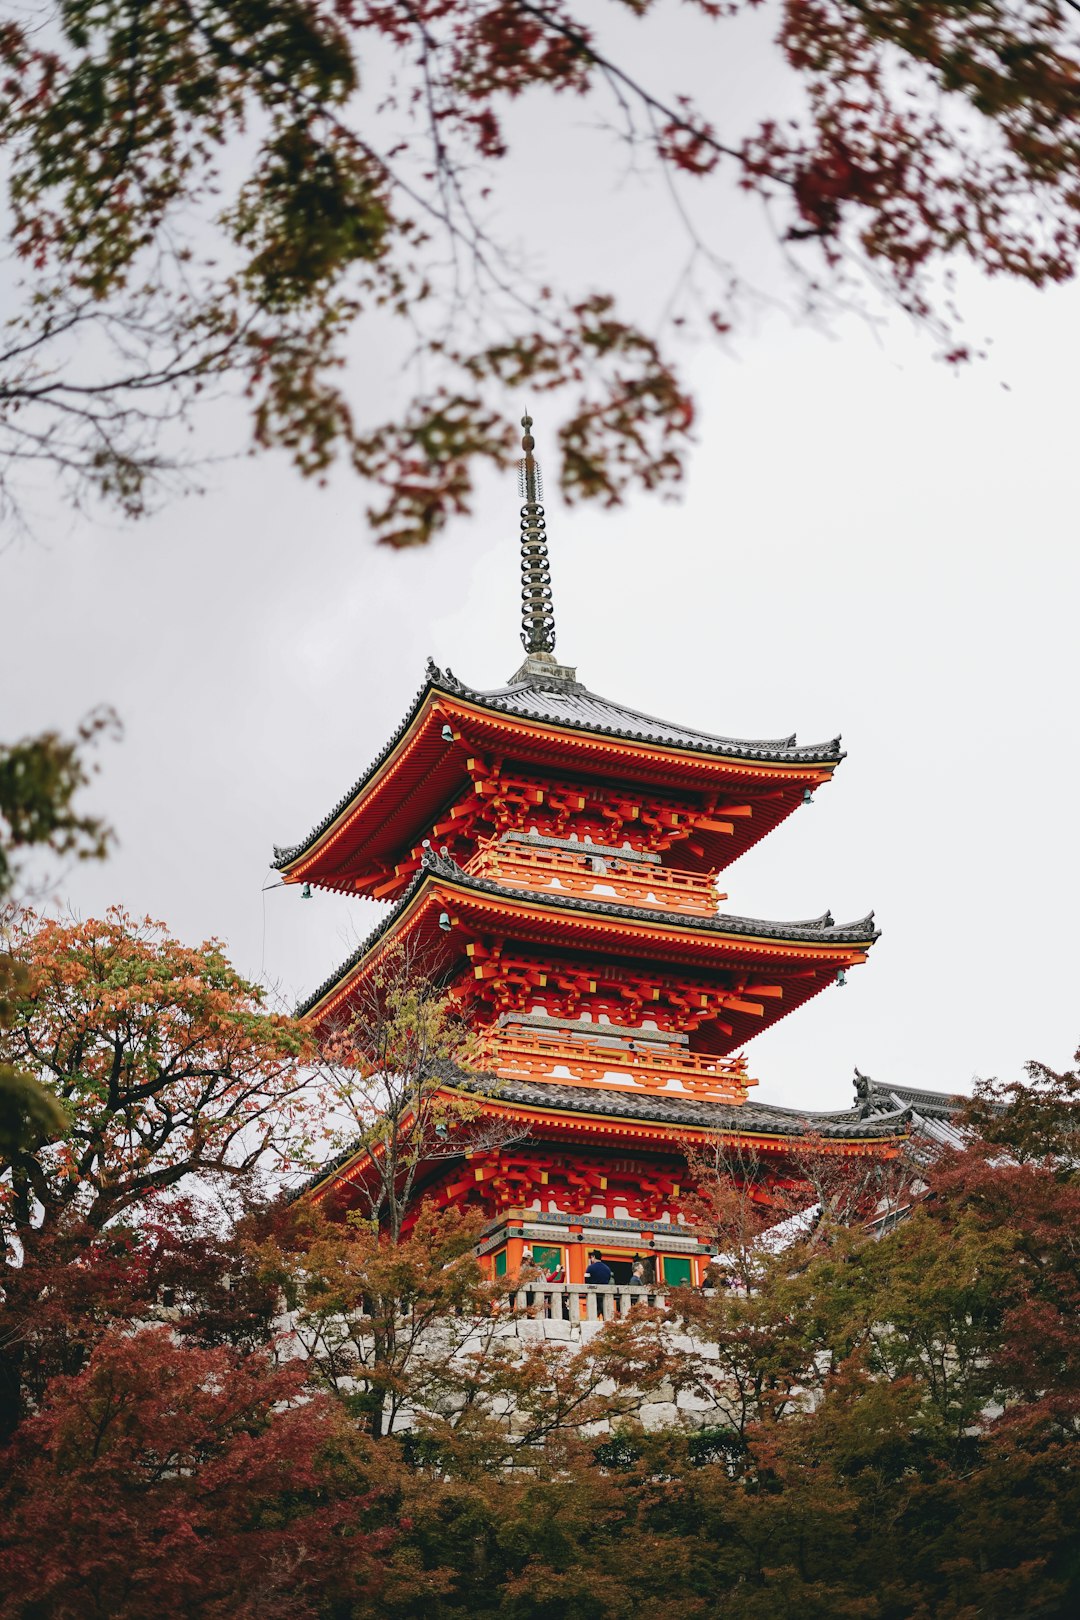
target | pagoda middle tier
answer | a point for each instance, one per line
(554, 858)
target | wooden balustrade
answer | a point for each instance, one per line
(597, 877)
(531, 1054)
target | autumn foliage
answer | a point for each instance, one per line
(259, 1408)
(167, 1479)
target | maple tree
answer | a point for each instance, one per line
(209, 194)
(383, 1322)
(168, 1479)
(163, 1057)
(418, 1342)
(41, 779)
(382, 1073)
(911, 1451)
(163, 1064)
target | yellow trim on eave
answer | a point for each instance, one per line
(638, 924)
(620, 1121)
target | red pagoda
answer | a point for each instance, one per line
(558, 854)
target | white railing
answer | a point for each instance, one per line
(583, 1302)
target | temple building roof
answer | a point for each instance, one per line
(669, 1118)
(934, 1115)
(811, 930)
(744, 1119)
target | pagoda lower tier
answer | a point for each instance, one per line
(578, 1170)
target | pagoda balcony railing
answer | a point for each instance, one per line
(596, 877)
(532, 1054)
(582, 1302)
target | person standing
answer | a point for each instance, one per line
(597, 1272)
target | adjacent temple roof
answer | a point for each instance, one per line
(934, 1115)
(814, 931)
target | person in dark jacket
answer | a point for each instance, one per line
(597, 1271)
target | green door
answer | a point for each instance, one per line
(678, 1270)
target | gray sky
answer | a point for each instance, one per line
(866, 544)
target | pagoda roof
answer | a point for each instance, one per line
(569, 703)
(749, 1119)
(553, 703)
(813, 932)
(669, 1118)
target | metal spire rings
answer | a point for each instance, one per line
(537, 615)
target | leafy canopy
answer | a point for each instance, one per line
(234, 194)
(41, 780)
(162, 1057)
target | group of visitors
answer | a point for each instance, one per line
(597, 1272)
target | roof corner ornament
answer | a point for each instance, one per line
(864, 1094)
(537, 610)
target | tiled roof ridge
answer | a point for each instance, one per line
(858, 932)
(445, 680)
(722, 922)
(755, 1119)
(751, 1117)
(752, 745)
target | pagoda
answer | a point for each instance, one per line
(557, 855)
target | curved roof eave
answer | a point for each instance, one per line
(817, 931)
(591, 719)
(748, 1119)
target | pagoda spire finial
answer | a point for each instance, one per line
(537, 614)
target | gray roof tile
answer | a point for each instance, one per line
(759, 1119)
(753, 1119)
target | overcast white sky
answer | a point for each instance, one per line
(866, 544)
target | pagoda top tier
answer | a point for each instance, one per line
(460, 747)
